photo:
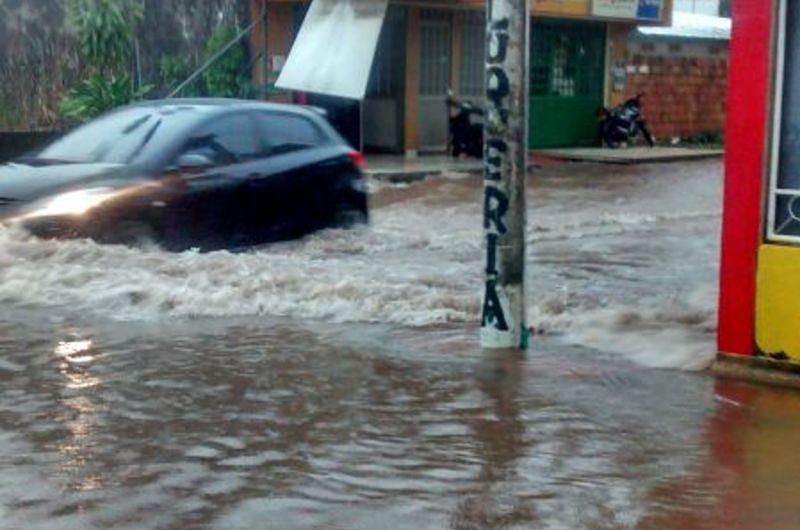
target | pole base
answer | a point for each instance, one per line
(757, 369)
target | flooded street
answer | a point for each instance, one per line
(336, 383)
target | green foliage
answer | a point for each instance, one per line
(705, 140)
(227, 77)
(5, 112)
(174, 69)
(99, 94)
(105, 30)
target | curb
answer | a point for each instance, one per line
(403, 177)
(622, 160)
(758, 370)
(408, 177)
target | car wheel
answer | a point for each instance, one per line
(349, 217)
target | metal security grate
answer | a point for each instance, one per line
(386, 78)
(566, 82)
(473, 50)
(566, 59)
(435, 34)
(784, 205)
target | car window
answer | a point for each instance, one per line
(124, 136)
(284, 133)
(227, 140)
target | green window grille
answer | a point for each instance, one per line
(435, 35)
(567, 59)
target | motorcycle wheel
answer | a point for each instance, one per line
(607, 136)
(476, 150)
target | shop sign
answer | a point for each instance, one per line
(649, 10)
(561, 7)
(627, 9)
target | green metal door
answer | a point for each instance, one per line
(566, 82)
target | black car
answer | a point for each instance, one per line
(189, 173)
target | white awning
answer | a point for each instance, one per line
(691, 26)
(334, 50)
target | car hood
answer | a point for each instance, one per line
(23, 182)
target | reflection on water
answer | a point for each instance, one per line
(145, 390)
(79, 413)
(76, 355)
(501, 437)
(278, 425)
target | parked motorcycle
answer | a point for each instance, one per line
(621, 124)
(466, 128)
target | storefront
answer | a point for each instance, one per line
(425, 48)
(760, 276)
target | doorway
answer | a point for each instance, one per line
(434, 80)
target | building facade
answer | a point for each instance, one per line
(760, 269)
(426, 48)
(699, 7)
(682, 70)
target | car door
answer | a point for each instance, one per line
(205, 184)
(284, 197)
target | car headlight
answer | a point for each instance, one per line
(71, 203)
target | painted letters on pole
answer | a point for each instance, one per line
(505, 156)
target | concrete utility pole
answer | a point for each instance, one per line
(505, 160)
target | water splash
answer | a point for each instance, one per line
(630, 275)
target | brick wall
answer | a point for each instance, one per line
(684, 82)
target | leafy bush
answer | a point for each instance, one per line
(6, 114)
(99, 94)
(228, 76)
(174, 70)
(105, 30)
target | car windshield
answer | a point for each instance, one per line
(124, 137)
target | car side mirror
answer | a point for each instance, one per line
(193, 161)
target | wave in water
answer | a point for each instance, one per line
(414, 266)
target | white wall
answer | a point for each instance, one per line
(701, 7)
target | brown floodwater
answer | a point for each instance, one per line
(335, 382)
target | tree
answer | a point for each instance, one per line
(105, 31)
(227, 76)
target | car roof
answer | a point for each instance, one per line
(227, 104)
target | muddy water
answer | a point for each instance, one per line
(634, 250)
(334, 382)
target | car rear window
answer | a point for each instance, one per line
(284, 133)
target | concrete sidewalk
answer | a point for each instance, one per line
(630, 155)
(397, 168)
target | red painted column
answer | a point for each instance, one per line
(749, 90)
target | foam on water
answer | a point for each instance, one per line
(336, 275)
(418, 263)
(680, 336)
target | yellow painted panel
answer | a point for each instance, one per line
(561, 7)
(539, 7)
(778, 300)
